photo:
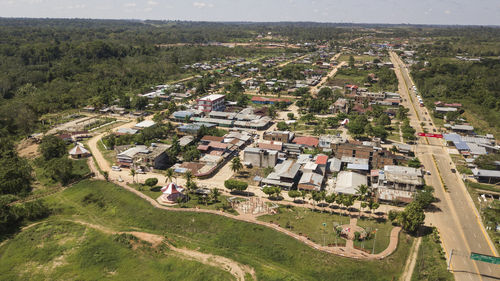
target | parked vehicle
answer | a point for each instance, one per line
(116, 168)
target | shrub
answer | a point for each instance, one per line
(235, 185)
(151, 182)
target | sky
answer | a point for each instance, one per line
(462, 12)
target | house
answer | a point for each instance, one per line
(285, 175)
(347, 182)
(260, 157)
(214, 102)
(397, 183)
(309, 142)
(486, 176)
(440, 109)
(264, 100)
(126, 131)
(403, 148)
(281, 136)
(330, 141)
(79, 151)
(350, 89)
(185, 141)
(340, 105)
(193, 128)
(153, 157)
(270, 145)
(144, 124)
(377, 158)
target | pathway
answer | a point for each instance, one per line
(412, 260)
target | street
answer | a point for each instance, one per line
(457, 219)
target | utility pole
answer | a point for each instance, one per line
(374, 240)
(449, 260)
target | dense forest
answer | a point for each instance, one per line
(475, 84)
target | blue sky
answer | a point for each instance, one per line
(478, 12)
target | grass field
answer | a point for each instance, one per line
(109, 155)
(309, 223)
(273, 255)
(431, 262)
(61, 250)
(383, 232)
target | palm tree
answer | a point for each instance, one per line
(132, 173)
(188, 176)
(236, 165)
(214, 195)
(169, 174)
(362, 191)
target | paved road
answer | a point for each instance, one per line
(457, 219)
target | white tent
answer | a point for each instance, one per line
(79, 151)
(170, 193)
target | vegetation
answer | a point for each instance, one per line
(431, 261)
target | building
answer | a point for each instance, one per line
(486, 176)
(153, 157)
(193, 128)
(214, 102)
(79, 151)
(340, 105)
(264, 100)
(285, 175)
(144, 124)
(397, 183)
(347, 182)
(377, 158)
(309, 142)
(260, 157)
(281, 136)
(330, 141)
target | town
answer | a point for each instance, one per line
(329, 143)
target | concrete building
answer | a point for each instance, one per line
(486, 176)
(260, 157)
(281, 136)
(153, 157)
(210, 103)
(347, 182)
(397, 183)
(285, 175)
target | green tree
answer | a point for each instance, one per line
(15, 172)
(384, 120)
(60, 170)
(52, 147)
(294, 194)
(282, 126)
(290, 116)
(412, 217)
(414, 163)
(424, 198)
(169, 174)
(214, 195)
(151, 182)
(233, 184)
(236, 165)
(351, 61)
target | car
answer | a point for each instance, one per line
(140, 171)
(453, 170)
(433, 130)
(120, 179)
(428, 172)
(116, 168)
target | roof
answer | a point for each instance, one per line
(462, 127)
(311, 178)
(272, 145)
(363, 167)
(145, 124)
(185, 140)
(347, 182)
(307, 141)
(212, 138)
(321, 159)
(486, 173)
(310, 166)
(78, 150)
(263, 99)
(287, 169)
(401, 174)
(171, 188)
(131, 152)
(129, 131)
(211, 97)
(445, 109)
(335, 164)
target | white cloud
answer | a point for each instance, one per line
(201, 5)
(152, 3)
(148, 9)
(129, 5)
(447, 12)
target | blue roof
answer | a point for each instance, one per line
(364, 167)
(452, 137)
(183, 114)
(461, 145)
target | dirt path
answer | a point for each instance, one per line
(412, 260)
(236, 269)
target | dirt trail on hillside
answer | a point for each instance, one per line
(236, 269)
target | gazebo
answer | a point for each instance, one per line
(79, 151)
(171, 193)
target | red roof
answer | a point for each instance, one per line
(202, 147)
(271, 146)
(321, 159)
(212, 138)
(307, 141)
(221, 145)
(263, 99)
(351, 86)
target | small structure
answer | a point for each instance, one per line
(348, 182)
(79, 151)
(171, 193)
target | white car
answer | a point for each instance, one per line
(116, 168)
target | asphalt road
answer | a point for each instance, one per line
(456, 217)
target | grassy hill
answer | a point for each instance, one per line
(273, 255)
